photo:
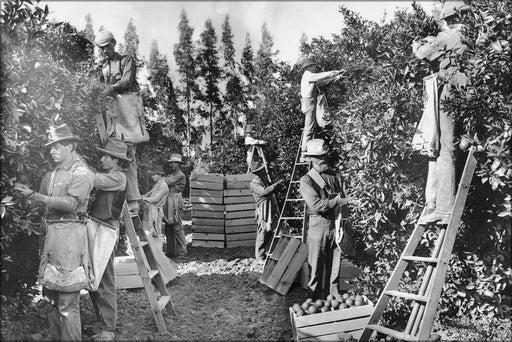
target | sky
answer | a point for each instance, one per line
(286, 20)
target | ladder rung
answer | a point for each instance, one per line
(152, 273)
(292, 218)
(162, 302)
(295, 181)
(294, 200)
(421, 259)
(142, 243)
(390, 332)
(406, 295)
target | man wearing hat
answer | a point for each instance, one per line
(266, 208)
(123, 109)
(323, 191)
(311, 80)
(435, 133)
(64, 194)
(174, 228)
(251, 141)
(110, 195)
(156, 198)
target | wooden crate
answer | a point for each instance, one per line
(127, 273)
(327, 325)
(283, 265)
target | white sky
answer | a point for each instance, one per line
(286, 20)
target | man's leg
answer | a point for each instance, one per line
(332, 267)
(104, 299)
(309, 125)
(65, 318)
(170, 240)
(316, 262)
(181, 241)
(53, 315)
(132, 183)
(259, 252)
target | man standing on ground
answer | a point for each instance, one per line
(318, 188)
(266, 208)
(107, 206)
(174, 228)
(64, 194)
(310, 81)
(123, 114)
(156, 199)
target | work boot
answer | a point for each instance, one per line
(104, 335)
(434, 217)
(133, 207)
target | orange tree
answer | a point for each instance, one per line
(376, 111)
(45, 80)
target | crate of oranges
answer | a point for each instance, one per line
(336, 318)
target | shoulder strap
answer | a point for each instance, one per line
(315, 176)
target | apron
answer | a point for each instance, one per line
(174, 208)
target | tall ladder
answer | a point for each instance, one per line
(148, 268)
(425, 303)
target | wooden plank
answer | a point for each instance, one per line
(208, 229)
(239, 222)
(280, 247)
(241, 236)
(237, 193)
(267, 271)
(244, 177)
(207, 177)
(208, 214)
(238, 185)
(206, 193)
(337, 315)
(283, 262)
(240, 214)
(200, 243)
(207, 222)
(347, 326)
(292, 270)
(205, 199)
(242, 243)
(206, 185)
(208, 236)
(241, 207)
(242, 229)
(126, 269)
(207, 206)
(132, 281)
(239, 200)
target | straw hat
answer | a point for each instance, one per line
(116, 148)
(104, 38)
(316, 147)
(59, 134)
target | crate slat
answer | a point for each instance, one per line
(207, 229)
(241, 236)
(207, 207)
(241, 207)
(242, 229)
(207, 222)
(238, 185)
(201, 243)
(293, 269)
(239, 200)
(202, 185)
(208, 214)
(205, 199)
(207, 177)
(238, 192)
(244, 177)
(239, 222)
(208, 236)
(283, 263)
(241, 243)
(240, 214)
(206, 193)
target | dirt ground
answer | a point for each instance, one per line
(217, 296)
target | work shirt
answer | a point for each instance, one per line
(108, 185)
(158, 194)
(68, 188)
(176, 182)
(320, 200)
(120, 73)
(266, 203)
(310, 79)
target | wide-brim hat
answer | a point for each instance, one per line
(59, 134)
(157, 169)
(103, 38)
(257, 167)
(316, 147)
(175, 157)
(115, 148)
(308, 61)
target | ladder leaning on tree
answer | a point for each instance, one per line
(425, 302)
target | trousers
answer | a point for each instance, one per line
(132, 183)
(176, 231)
(263, 239)
(104, 299)
(324, 261)
(308, 108)
(64, 319)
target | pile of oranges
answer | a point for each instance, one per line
(331, 303)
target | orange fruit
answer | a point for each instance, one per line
(327, 303)
(305, 306)
(335, 304)
(330, 297)
(309, 300)
(300, 313)
(312, 309)
(338, 297)
(343, 306)
(349, 301)
(324, 309)
(346, 296)
(296, 307)
(358, 297)
(319, 303)
(358, 302)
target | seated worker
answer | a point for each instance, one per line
(266, 209)
(156, 198)
(317, 188)
(110, 196)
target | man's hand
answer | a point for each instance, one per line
(108, 90)
(343, 200)
(23, 189)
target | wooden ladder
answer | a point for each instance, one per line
(290, 257)
(259, 150)
(425, 302)
(148, 268)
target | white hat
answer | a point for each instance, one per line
(175, 157)
(316, 147)
(104, 38)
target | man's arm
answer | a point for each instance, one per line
(175, 179)
(322, 77)
(156, 194)
(259, 189)
(315, 202)
(113, 181)
(128, 77)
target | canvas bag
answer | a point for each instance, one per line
(102, 239)
(123, 117)
(426, 139)
(323, 116)
(65, 265)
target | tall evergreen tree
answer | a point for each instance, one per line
(304, 48)
(210, 72)
(89, 31)
(184, 56)
(233, 94)
(247, 60)
(264, 62)
(131, 41)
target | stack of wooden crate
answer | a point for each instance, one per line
(240, 223)
(206, 197)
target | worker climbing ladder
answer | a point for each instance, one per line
(148, 268)
(425, 302)
(288, 251)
